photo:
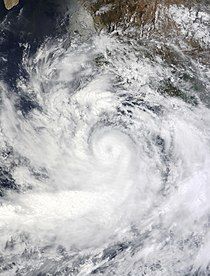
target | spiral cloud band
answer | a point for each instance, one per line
(112, 176)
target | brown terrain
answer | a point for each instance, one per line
(10, 3)
(151, 16)
(149, 19)
(135, 12)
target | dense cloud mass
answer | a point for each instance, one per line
(104, 141)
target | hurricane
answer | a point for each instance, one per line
(107, 166)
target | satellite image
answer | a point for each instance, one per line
(105, 137)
